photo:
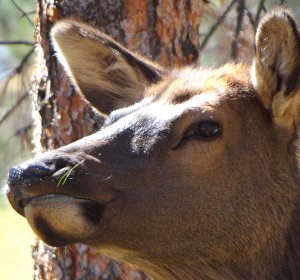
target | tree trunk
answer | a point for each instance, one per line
(165, 30)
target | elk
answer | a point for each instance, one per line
(195, 173)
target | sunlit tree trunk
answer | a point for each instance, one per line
(165, 30)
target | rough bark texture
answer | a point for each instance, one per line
(166, 31)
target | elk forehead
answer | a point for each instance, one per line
(182, 85)
(185, 91)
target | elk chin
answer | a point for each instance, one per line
(61, 220)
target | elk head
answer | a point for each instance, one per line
(194, 174)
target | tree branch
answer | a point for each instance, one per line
(17, 42)
(14, 107)
(29, 13)
(23, 130)
(251, 19)
(15, 71)
(24, 136)
(239, 23)
(216, 25)
(19, 68)
(261, 7)
(24, 14)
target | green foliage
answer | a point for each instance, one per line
(65, 177)
(14, 26)
(15, 235)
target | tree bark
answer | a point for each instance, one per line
(165, 30)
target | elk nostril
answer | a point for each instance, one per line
(14, 175)
(31, 171)
(38, 170)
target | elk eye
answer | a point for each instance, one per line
(207, 130)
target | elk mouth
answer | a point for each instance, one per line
(91, 209)
(25, 190)
(60, 211)
(59, 219)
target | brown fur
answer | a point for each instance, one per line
(276, 67)
(150, 188)
(109, 72)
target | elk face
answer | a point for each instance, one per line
(190, 163)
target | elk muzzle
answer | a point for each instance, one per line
(57, 212)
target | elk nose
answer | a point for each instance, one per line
(29, 171)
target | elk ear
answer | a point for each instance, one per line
(276, 67)
(107, 74)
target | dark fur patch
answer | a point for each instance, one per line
(92, 211)
(109, 100)
(294, 27)
(181, 97)
(50, 236)
(292, 81)
(150, 73)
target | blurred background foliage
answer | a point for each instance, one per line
(16, 65)
(220, 39)
(223, 15)
(15, 81)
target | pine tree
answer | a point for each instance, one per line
(166, 31)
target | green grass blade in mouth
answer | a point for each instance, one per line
(65, 177)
